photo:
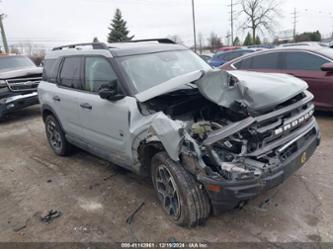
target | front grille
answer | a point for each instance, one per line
(23, 84)
(296, 145)
(285, 124)
(279, 127)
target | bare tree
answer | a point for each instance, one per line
(176, 38)
(201, 42)
(214, 41)
(260, 15)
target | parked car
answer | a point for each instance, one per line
(330, 44)
(261, 46)
(228, 48)
(19, 78)
(312, 64)
(205, 57)
(159, 110)
(222, 57)
(304, 44)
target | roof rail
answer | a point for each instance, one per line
(159, 40)
(95, 45)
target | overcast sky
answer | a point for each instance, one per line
(63, 21)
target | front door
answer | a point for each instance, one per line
(307, 66)
(105, 124)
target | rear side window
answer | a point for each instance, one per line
(48, 72)
(303, 61)
(264, 61)
(70, 75)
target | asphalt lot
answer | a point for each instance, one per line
(96, 198)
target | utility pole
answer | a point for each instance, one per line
(194, 28)
(295, 22)
(232, 12)
(3, 34)
(232, 21)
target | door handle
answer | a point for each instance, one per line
(86, 106)
(56, 98)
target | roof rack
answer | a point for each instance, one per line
(159, 40)
(95, 45)
(101, 45)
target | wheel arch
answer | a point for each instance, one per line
(48, 110)
(146, 151)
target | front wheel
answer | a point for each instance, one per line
(181, 197)
(56, 136)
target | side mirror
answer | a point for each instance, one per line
(327, 67)
(110, 92)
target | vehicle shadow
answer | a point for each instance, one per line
(324, 114)
(21, 115)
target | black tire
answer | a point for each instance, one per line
(190, 205)
(56, 137)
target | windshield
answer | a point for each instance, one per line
(15, 62)
(148, 70)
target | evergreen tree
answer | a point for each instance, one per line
(236, 41)
(257, 41)
(248, 40)
(309, 36)
(118, 29)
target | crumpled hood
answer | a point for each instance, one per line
(257, 91)
(169, 86)
(19, 72)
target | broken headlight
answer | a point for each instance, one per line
(233, 171)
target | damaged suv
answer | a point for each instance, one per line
(210, 140)
(19, 78)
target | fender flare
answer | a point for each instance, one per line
(46, 107)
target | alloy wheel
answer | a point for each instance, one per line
(168, 192)
(54, 135)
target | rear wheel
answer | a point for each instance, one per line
(56, 136)
(180, 195)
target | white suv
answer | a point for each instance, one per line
(210, 140)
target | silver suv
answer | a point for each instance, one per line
(209, 139)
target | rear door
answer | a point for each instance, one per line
(65, 102)
(307, 66)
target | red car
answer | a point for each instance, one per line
(313, 65)
(230, 48)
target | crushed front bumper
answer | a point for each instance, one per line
(233, 193)
(15, 102)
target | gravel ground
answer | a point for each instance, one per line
(95, 198)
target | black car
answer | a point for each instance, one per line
(19, 78)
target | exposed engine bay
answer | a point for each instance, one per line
(235, 143)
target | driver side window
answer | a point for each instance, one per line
(98, 72)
